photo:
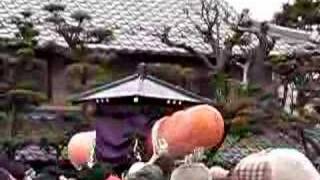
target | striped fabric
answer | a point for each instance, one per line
(253, 171)
(36, 153)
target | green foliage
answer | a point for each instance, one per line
(26, 35)
(245, 107)
(299, 14)
(213, 159)
(26, 52)
(300, 80)
(224, 88)
(241, 131)
(278, 59)
(173, 73)
(80, 16)
(52, 8)
(3, 116)
(102, 76)
(221, 86)
(27, 85)
(23, 97)
(83, 74)
(101, 34)
(248, 90)
(78, 36)
(17, 101)
(266, 97)
(235, 38)
(18, 96)
(9, 144)
(73, 117)
(287, 117)
(21, 94)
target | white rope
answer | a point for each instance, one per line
(159, 146)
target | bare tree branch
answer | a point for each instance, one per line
(165, 39)
(210, 16)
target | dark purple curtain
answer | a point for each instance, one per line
(115, 127)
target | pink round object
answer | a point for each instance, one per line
(80, 148)
(112, 177)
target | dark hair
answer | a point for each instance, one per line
(166, 163)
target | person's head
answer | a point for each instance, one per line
(191, 172)
(218, 173)
(149, 172)
(166, 163)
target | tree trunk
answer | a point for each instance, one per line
(292, 100)
(84, 76)
(12, 121)
(49, 79)
(11, 78)
(285, 95)
(246, 68)
(6, 69)
(259, 73)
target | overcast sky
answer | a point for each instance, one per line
(260, 9)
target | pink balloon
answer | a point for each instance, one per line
(80, 148)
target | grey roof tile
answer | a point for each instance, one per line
(136, 20)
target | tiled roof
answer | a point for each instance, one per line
(290, 40)
(138, 86)
(136, 23)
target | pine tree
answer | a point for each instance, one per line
(302, 68)
(78, 35)
(301, 14)
(20, 95)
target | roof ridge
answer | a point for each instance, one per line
(172, 87)
(104, 86)
(177, 88)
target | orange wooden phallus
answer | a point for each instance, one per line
(80, 148)
(200, 126)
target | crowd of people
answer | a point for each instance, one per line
(178, 145)
(271, 164)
